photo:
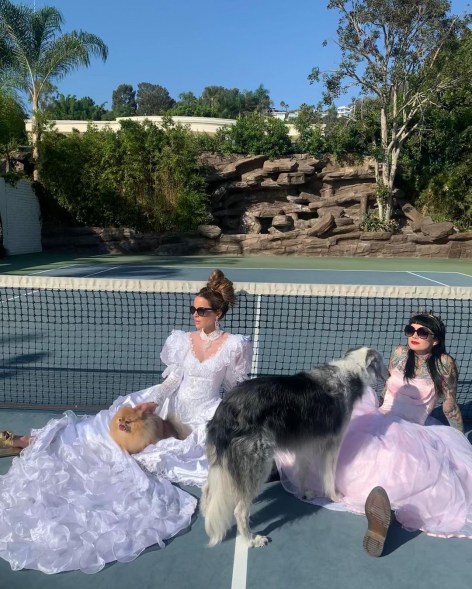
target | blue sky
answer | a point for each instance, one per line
(189, 44)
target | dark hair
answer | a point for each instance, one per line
(434, 362)
(219, 292)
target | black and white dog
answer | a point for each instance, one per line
(307, 412)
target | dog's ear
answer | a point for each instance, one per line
(374, 361)
(145, 408)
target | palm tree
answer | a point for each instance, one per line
(33, 52)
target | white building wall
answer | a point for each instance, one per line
(21, 218)
(206, 125)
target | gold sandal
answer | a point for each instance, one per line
(7, 448)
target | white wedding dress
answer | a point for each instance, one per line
(74, 500)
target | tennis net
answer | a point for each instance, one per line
(80, 343)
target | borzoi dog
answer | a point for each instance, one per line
(307, 412)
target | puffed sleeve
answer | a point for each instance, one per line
(173, 353)
(239, 364)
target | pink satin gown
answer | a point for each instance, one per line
(425, 468)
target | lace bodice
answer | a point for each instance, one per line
(194, 388)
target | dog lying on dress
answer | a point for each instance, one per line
(307, 413)
(135, 428)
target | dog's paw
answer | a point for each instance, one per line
(336, 497)
(258, 541)
(308, 495)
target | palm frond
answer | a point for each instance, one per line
(45, 25)
(69, 52)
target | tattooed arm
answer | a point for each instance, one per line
(450, 407)
(398, 355)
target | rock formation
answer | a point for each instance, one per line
(293, 205)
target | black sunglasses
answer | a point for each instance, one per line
(201, 311)
(421, 332)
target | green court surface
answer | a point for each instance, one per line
(34, 263)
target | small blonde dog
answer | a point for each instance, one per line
(134, 428)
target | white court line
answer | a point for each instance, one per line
(462, 274)
(245, 268)
(70, 266)
(238, 580)
(430, 279)
(52, 269)
(24, 294)
(232, 268)
(255, 341)
(99, 272)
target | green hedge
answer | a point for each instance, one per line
(141, 176)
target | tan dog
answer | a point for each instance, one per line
(134, 428)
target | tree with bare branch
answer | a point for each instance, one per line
(390, 49)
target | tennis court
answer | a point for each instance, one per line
(79, 325)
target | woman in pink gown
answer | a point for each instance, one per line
(424, 467)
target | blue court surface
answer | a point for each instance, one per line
(265, 275)
(310, 547)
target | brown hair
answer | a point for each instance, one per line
(219, 292)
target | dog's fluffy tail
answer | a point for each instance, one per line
(218, 502)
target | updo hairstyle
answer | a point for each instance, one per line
(219, 292)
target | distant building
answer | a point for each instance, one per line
(208, 125)
(344, 111)
(282, 115)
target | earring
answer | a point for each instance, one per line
(217, 325)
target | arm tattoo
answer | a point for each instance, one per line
(450, 407)
(396, 358)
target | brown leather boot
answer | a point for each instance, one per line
(379, 516)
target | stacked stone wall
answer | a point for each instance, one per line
(297, 205)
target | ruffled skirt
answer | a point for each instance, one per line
(74, 500)
(425, 469)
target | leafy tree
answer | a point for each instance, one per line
(436, 164)
(71, 108)
(36, 53)
(142, 176)
(188, 106)
(153, 99)
(390, 49)
(123, 101)
(308, 124)
(12, 125)
(448, 194)
(255, 134)
(330, 118)
(221, 102)
(357, 136)
(258, 100)
(217, 101)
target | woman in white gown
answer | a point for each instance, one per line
(74, 500)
